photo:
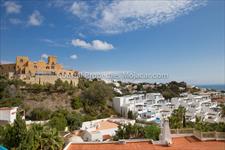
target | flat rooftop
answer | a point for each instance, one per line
(184, 143)
(104, 125)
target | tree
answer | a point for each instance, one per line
(222, 112)
(129, 131)
(139, 87)
(177, 119)
(15, 134)
(40, 114)
(98, 93)
(41, 137)
(2, 130)
(59, 122)
(120, 133)
(37, 88)
(152, 132)
(130, 115)
(10, 102)
(50, 140)
(32, 139)
(59, 85)
(74, 121)
(76, 103)
(83, 83)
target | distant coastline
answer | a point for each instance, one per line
(218, 87)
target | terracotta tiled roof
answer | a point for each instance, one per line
(106, 125)
(184, 143)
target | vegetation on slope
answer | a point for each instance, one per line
(136, 131)
(18, 136)
(177, 120)
(39, 101)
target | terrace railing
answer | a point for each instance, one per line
(203, 136)
(182, 131)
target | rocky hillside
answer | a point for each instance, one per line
(90, 97)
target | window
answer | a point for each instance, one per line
(53, 67)
(23, 71)
(35, 66)
(21, 60)
(47, 67)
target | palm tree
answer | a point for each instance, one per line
(222, 112)
(177, 119)
(120, 133)
(50, 139)
(41, 138)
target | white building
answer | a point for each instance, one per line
(102, 129)
(145, 106)
(8, 114)
(153, 106)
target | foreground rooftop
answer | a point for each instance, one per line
(184, 143)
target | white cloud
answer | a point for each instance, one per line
(74, 56)
(101, 45)
(44, 56)
(47, 41)
(35, 19)
(81, 35)
(53, 43)
(94, 45)
(6, 62)
(78, 9)
(118, 16)
(15, 21)
(81, 43)
(12, 7)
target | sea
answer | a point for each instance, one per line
(218, 87)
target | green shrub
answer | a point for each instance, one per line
(10, 102)
(152, 132)
(76, 103)
(59, 122)
(40, 114)
(97, 94)
(129, 131)
(74, 121)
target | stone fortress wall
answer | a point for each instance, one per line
(39, 72)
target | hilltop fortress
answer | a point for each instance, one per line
(39, 72)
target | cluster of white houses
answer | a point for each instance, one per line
(154, 107)
(97, 130)
(148, 107)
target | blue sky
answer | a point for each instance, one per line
(184, 39)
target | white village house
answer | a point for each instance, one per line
(8, 114)
(154, 107)
(102, 129)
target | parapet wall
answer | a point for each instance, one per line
(43, 79)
